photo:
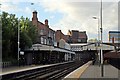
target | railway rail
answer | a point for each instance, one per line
(45, 73)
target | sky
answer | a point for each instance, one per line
(67, 15)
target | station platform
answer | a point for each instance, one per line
(93, 72)
(19, 68)
(15, 69)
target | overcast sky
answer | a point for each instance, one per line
(69, 15)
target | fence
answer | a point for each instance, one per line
(7, 64)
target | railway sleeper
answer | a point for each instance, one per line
(36, 75)
(48, 75)
(58, 76)
(29, 74)
(63, 72)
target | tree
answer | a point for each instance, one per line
(10, 35)
(9, 23)
(28, 33)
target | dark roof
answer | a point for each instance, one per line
(40, 22)
(75, 31)
(51, 29)
(43, 26)
(114, 31)
(113, 44)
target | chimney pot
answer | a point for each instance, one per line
(46, 22)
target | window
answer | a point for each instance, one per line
(42, 40)
(49, 34)
(79, 40)
(41, 32)
(45, 41)
(53, 36)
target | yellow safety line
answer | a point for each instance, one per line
(78, 72)
(84, 68)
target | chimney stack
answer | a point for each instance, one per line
(46, 22)
(35, 16)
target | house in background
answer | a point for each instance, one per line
(73, 36)
(45, 34)
(78, 37)
(114, 36)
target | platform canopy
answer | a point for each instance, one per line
(41, 47)
(63, 50)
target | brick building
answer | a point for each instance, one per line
(78, 37)
(45, 50)
(48, 36)
(73, 36)
(45, 34)
(82, 37)
(59, 35)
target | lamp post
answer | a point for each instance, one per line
(98, 27)
(18, 43)
(101, 43)
(0, 30)
(98, 42)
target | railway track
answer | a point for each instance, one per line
(56, 72)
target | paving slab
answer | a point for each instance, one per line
(94, 71)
